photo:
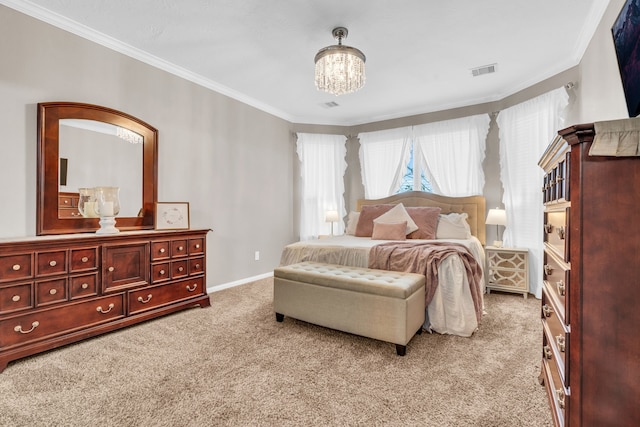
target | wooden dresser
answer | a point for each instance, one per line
(591, 292)
(55, 290)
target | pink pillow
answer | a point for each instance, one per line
(426, 218)
(389, 231)
(367, 214)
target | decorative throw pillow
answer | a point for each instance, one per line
(352, 223)
(426, 218)
(367, 214)
(453, 226)
(389, 231)
(395, 215)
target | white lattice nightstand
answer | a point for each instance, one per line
(508, 270)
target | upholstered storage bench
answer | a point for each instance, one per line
(383, 305)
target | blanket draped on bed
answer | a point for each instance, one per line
(425, 258)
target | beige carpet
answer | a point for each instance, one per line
(234, 365)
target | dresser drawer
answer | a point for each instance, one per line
(556, 226)
(84, 259)
(179, 248)
(49, 263)
(196, 266)
(156, 296)
(51, 291)
(16, 297)
(557, 281)
(160, 250)
(179, 269)
(556, 336)
(196, 246)
(46, 323)
(83, 286)
(16, 267)
(160, 272)
(556, 392)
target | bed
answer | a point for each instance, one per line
(455, 304)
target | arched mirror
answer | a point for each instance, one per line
(85, 146)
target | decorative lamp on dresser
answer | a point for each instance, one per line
(70, 283)
(591, 292)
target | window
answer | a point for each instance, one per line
(407, 179)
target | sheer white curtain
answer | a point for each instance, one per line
(323, 167)
(383, 159)
(525, 131)
(451, 152)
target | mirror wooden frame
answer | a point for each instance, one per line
(47, 218)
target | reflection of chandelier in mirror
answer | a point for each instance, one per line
(129, 135)
(339, 68)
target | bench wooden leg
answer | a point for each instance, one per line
(401, 349)
(279, 317)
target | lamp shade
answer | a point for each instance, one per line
(331, 216)
(496, 216)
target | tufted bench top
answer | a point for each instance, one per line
(364, 280)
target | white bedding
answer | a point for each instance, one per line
(451, 311)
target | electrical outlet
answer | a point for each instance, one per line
(257, 256)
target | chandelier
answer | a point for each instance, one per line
(339, 68)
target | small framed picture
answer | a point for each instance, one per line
(172, 216)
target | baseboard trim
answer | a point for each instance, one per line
(228, 285)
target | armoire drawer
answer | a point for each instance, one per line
(556, 392)
(556, 337)
(40, 324)
(557, 280)
(156, 296)
(556, 235)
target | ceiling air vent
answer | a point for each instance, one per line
(485, 69)
(330, 104)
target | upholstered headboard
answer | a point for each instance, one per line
(473, 206)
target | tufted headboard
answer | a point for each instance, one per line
(473, 206)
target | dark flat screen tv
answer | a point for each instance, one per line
(626, 38)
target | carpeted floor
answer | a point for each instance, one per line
(234, 365)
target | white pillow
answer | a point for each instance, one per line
(395, 215)
(352, 223)
(453, 226)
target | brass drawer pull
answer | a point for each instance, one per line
(15, 298)
(111, 269)
(548, 228)
(180, 269)
(560, 231)
(85, 259)
(99, 308)
(53, 291)
(547, 310)
(16, 267)
(197, 245)
(162, 272)
(84, 285)
(162, 250)
(197, 266)
(190, 289)
(561, 397)
(547, 352)
(180, 248)
(561, 287)
(33, 326)
(547, 269)
(53, 263)
(142, 300)
(560, 340)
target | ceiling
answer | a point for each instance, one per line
(420, 53)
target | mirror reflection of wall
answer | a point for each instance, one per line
(96, 156)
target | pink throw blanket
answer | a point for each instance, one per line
(425, 258)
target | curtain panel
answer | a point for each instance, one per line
(451, 153)
(525, 130)
(383, 159)
(323, 165)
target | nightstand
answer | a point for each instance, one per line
(508, 270)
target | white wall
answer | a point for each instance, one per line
(233, 163)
